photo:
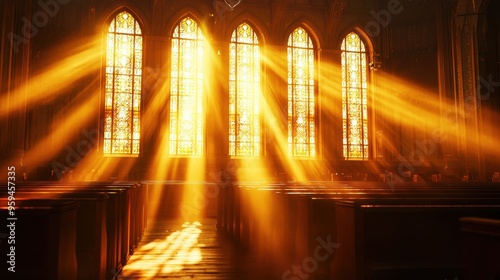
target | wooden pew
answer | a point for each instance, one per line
(403, 238)
(135, 198)
(301, 215)
(91, 231)
(271, 234)
(45, 237)
(230, 197)
(125, 215)
(320, 213)
(480, 244)
(117, 218)
(139, 214)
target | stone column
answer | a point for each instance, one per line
(445, 43)
(467, 97)
(274, 105)
(217, 98)
(15, 76)
(330, 102)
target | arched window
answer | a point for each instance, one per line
(244, 93)
(122, 101)
(186, 89)
(354, 99)
(301, 95)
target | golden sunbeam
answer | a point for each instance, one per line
(296, 167)
(95, 166)
(63, 70)
(192, 196)
(59, 138)
(156, 130)
(216, 79)
(417, 110)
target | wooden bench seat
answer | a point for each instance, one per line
(418, 234)
(45, 237)
(116, 219)
(302, 213)
(124, 220)
(480, 244)
(91, 235)
(134, 203)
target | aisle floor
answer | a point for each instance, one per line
(171, 249)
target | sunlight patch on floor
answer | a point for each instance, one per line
(168, 255)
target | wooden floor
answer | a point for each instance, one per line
(171, 249)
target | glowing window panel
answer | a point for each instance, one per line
(186, 90)
(301, 93)
(122, 100)
(354, 100)
(244, 93)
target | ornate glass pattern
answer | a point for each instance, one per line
(244, 93)
(301, 95)
(354, 100)
(186, 89)
(122, 101)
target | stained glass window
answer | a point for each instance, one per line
(354, 100)
(122, 101)
(244, 93)
(186, 89)
(301, 89)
